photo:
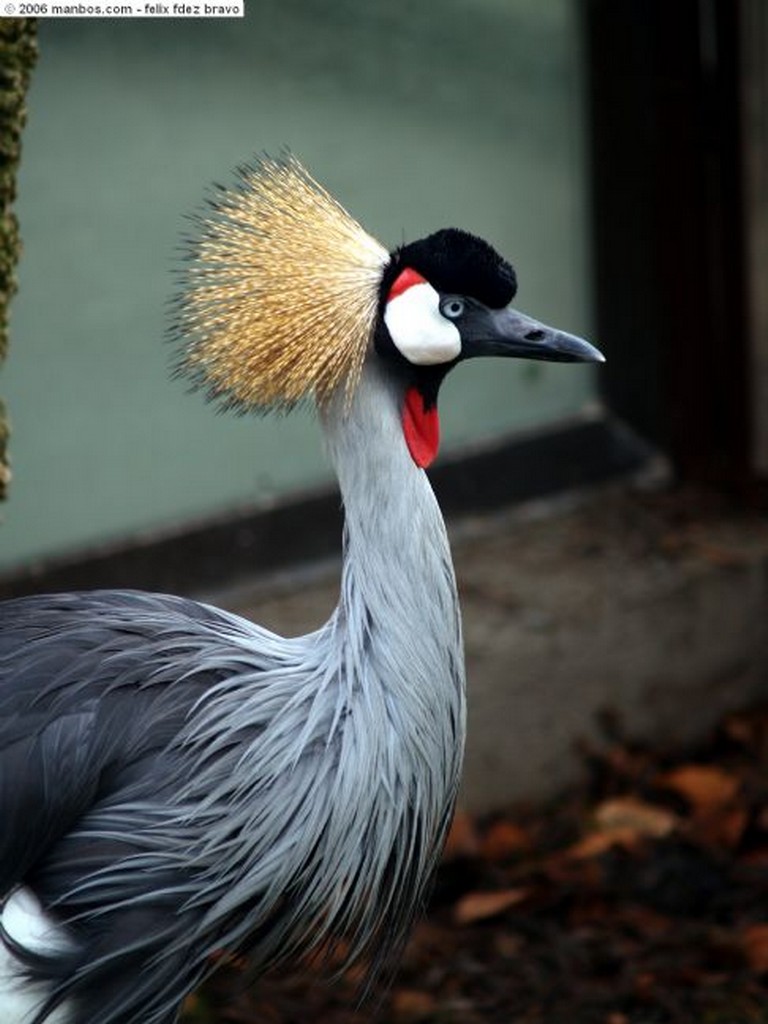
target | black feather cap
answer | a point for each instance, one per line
(456, 262)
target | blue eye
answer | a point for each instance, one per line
(452, 308)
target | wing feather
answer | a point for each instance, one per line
(87, 702)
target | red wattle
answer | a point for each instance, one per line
(421, 428)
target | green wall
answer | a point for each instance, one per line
(464, 112)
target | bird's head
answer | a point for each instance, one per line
(446, 298)
(285, 296)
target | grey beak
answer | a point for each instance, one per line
(507, 332)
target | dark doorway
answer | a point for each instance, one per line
(668, 227)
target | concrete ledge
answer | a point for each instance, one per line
(652, 609)
(641, 611)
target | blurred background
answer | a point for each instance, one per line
(609, 864)
(615, 151)
(416, 118)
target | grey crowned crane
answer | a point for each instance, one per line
(175, 780)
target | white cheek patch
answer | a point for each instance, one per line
(418, 328)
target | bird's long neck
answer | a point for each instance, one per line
(398, 611)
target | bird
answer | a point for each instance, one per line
(177, 781)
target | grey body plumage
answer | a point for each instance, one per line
(225, 786)
(175, 780)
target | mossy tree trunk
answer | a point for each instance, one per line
(18, 50)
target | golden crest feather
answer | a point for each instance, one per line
(280, 294)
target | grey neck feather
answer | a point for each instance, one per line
(398, 605)
(365, 754)
(398, 626)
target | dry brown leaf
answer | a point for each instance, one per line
(508, 946)
(649, 923)
(413, 1004)
(705, 787)
(721, 556)
(645, 983)
(504, 839)
(741, 729)
(355, 975)
(571, 867)
(596, 843)
(462, 838)
(479, 906)
(724, 828)
(624, 762)
(756, 858)
(636, 815)
(754, 943)
(749, 730)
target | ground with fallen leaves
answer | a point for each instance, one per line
(641, 898)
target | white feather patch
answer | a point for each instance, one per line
(25, 921)
(418, 328)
